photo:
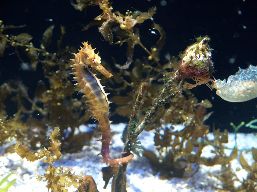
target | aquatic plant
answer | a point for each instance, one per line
(230, 181)
(185, 141)
(252, 124)
(57, 178)
(249, 184)
(5, 183)
(147, 91)
(196, 62)
(48, 105)
(127, 31)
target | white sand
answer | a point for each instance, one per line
(140, 177)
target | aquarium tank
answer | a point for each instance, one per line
(128, 96)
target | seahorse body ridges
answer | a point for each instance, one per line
(96, 97)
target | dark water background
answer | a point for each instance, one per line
(231, 25)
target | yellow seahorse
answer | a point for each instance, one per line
(95, 95)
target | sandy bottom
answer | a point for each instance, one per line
(140, 175)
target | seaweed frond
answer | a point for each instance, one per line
(58, 179)
(11, 128)
(6, 183)
(50, 155)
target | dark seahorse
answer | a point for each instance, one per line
(96, 97)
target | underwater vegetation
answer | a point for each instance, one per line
(149, 93)
(5, 184)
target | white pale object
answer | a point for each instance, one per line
(239, 87)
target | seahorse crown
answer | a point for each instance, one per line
(87, 57)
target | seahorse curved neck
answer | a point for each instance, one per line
(96, 97)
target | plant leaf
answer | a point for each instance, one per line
(23, 38)
(244, 163)
(3, 42)
(254, 154)
(47, 37)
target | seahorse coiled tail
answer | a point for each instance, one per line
(95, 95)
(239, 87)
